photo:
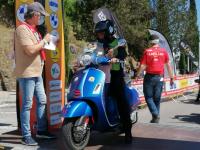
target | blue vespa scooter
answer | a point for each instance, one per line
(87, 108)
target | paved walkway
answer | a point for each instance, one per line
(179, 128)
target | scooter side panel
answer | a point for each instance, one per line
(94, 83)
(76, 83)
(76, 109)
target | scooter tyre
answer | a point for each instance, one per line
(68, 140)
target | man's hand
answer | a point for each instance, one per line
(47, 37)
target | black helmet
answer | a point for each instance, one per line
(106, 26)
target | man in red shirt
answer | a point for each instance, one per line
(153, 61)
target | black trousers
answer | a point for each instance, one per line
(117, 91)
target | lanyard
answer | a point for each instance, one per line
(38, 37)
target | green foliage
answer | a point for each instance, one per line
(174, 19)
(66, 11)
(177, 20)
(182, 64)
(134, 20)
(11, 2)
(163, 17)
(132, 15)
(7, 15)
(192, 33)
(171, 19)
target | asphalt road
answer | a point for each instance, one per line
(179, 128)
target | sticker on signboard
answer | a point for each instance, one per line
(55, 119)
(53, 4)
(55, 33)
(21, 11)
(55, 108)
(55, 55)
(55, 84)
(55, 96)
(55, 71)
(54, 20)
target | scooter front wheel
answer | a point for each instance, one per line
(75, 137)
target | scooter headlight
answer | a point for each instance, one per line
(85, 59)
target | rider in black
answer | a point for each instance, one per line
(105, 31)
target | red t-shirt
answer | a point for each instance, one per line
(155, 58)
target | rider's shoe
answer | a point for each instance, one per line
(29, 141)
(155, 119)
(128, 138)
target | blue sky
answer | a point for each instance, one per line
(198, 12)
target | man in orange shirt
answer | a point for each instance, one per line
(153, 61)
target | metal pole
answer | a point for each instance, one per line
(199, 54)
(199, 57)
(188, 64)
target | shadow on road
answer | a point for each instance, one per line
(106, 141)
(115, 142)
(192, 118)
(190, 101)
(4, 124)
(13, 138)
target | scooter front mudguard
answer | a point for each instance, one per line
(76, 109)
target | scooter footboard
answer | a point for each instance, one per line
(76, 109)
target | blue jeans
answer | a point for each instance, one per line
(152, 87)
(32, 87)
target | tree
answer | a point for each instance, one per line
(68, 10)
(7, 15)
(172, 20)
(192, 34)
(133, 17)
(182, 64)
(82, 18)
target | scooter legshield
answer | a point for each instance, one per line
(132, 97)
(76, 109)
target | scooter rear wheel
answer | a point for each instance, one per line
(75, 137)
